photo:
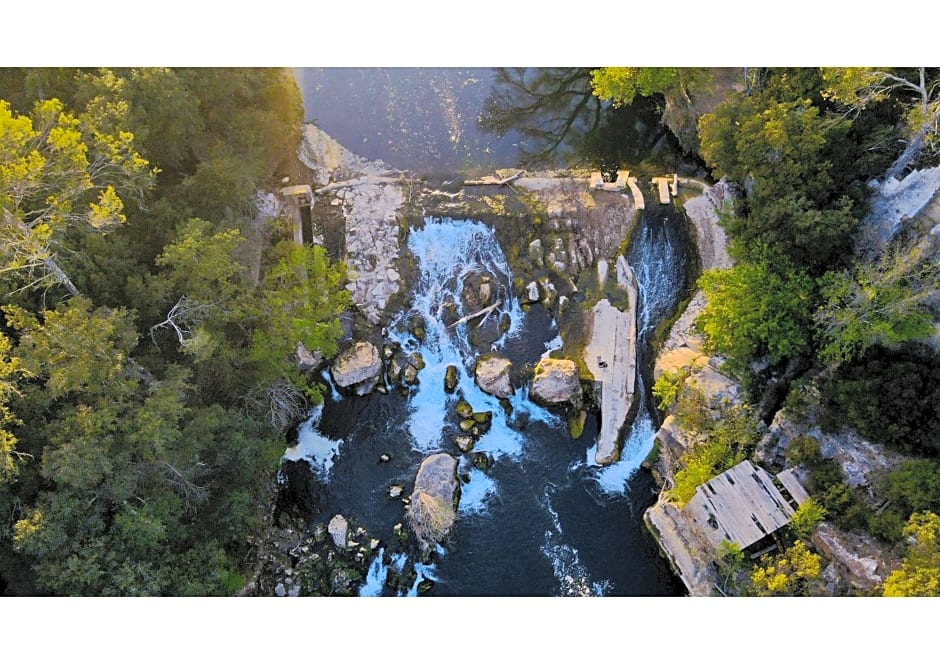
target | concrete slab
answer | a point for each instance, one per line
(611, 358)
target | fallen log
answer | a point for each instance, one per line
(486, 310)
(490, 180)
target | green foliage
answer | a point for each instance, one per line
(668, 386)
(794, 572)
(10, 371)
(59, 173)
(882, 304)
(807, 516)
(132, 472)
(300, 300)
(620, 85)
(804, 449)
(919, 574)
(727, 438)
(914, 487)
(753, 310)
(75, 348)
(889, 397)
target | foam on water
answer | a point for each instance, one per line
(312, 446)
(334, 393)
(475, 494)
(613, 479)
(375, 579)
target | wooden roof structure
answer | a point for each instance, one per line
(743, 505)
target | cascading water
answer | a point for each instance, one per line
(542, 520)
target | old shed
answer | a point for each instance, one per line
(743, 505)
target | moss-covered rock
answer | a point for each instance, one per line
(450, 379)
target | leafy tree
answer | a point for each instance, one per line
(300, 300)
(10, 369)
(620, 85)
(753, 310)
(883, 304)
(857, 88)
(61, 172)
(795, 571)
(919, 574)
(807, 516)
(888, 396)
(205, 285)
(668, 387)
(777, 150)
(914, 487)
(725, 440)
(730, 562)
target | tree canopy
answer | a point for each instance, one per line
(136, 457)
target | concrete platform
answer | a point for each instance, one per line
(611, 357)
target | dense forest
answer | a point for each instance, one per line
(149, 320)
(151, 313)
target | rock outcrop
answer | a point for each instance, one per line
(432, 510)
(359, 367)
(860, 560)
(492, 375)
(370, 199)
(556, 383)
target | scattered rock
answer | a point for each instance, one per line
(467, 425)
(492, 375)
(535, 253)
(395, 490)
(482, 461)
(307, 361)
(338, 529)
(483, 417)
(400, 533)
(385, 458)
(374, 544)
(450, 379)
(556, 383)
(464, 443)
(464, 409)
(864, 562)
(409, 375)
(358, 365)
(532, 294)
(551, 295)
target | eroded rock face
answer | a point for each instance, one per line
(862, 561)
(556, 383)
(492, 375)
(360, 364)
(433, 507)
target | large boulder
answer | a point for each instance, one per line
(433, 506)
(338, 528)
(492, 375)
(555, 383)
(359, 365)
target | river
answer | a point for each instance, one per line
(544, 520)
